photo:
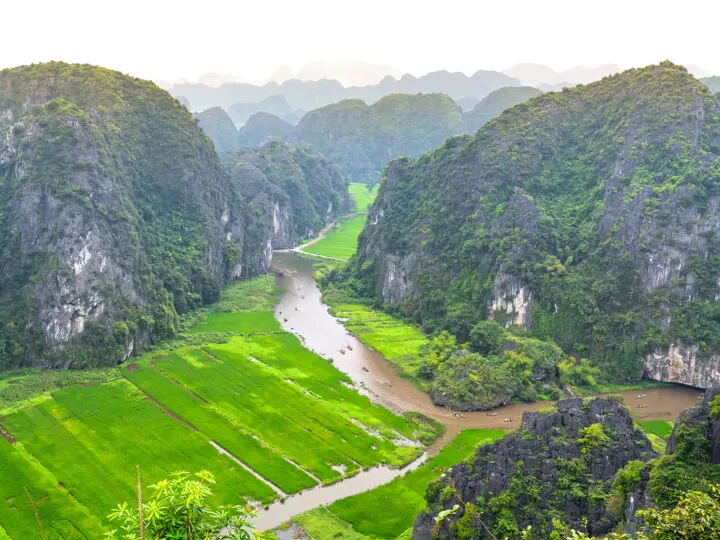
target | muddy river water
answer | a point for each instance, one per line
(302, 312)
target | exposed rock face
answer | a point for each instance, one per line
(511, 297)
(586, 216)
(680, 364)
(291, 194)
(542, 471)
(115, 215)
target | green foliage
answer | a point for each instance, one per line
(695, 517)
(592, 437)
(388, 510)
(715, 408)
(688, 469)
(625, 480)
(178, 508)
(361, 138)
(117, 157)
(487, 337)
(295, 185)
(547, 196)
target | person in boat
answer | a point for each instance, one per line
(350, 347)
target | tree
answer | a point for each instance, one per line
(178, 509)
(487, 337)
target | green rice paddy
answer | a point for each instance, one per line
(389, 510)
(396, 340)
(341, 241)
(287, 417)
(661, 428)
(362, 196)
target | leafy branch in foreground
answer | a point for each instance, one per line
(178, 508)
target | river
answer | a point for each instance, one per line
(302, 312)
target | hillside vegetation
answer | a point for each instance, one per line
(361, 139)
(495, 103)
(587, 216)
(115, 216)
(290, 192)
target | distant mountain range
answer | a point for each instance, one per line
(308, 95)
(317, 84)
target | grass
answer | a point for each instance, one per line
(341, 241)
(61, 515)
(362, 196)
(322, 523)
(263, 460)
(239, 322)
(91, 439)
(396, 340)
(389, 510)
(28, 386)
(284, 412)
(661, 428)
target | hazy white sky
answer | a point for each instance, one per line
(159, 39)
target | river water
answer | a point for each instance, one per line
(302, 312)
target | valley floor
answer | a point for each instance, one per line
(240, 398)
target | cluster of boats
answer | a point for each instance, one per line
(349, 348)
(641, 405)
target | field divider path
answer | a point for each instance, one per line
(248, 469)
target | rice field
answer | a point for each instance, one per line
(285, 418)
(341, 241)
(661, 428)
(362, 196)
(389, 510)
(396, 340)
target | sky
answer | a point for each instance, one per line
(164, 40)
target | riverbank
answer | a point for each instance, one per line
(301, 310)
(235, 395)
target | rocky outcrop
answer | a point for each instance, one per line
(699, 417)
(116, 215)
(512, 301)
(551, 467)
(681, 364)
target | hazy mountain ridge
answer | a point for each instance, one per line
(309, 95)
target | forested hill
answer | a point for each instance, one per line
(361, 139)
(588, 216)
(495, 103)
(116, 216)
(291, 192)
(216, 123)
